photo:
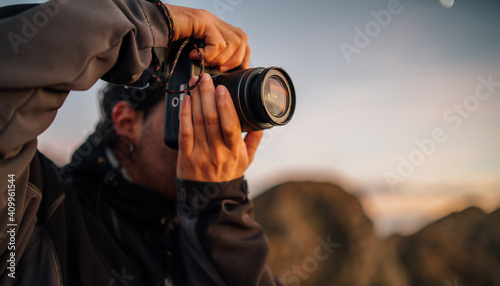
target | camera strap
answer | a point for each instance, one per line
(174, 64)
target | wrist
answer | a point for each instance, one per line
(168, 19)
(183, 19)
(192, 193)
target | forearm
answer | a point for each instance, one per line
(76, 46)
(221, 242)
(79, 42)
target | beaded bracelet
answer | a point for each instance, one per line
(168, 19)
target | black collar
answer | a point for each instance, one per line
(90, 166)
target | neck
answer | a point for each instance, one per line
(140, 172)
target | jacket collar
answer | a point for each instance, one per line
(140, 204)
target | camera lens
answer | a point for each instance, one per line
(276, 96)
(263, 97)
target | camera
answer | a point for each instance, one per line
(263, 97)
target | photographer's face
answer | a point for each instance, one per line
(153, 164)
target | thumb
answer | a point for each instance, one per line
(252, 140)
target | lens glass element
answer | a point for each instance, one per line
(276, 98)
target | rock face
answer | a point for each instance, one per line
(300, 218)
(460, 249)
(320, 235)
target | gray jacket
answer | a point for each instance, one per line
(45, 52)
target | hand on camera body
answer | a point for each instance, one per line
(211, 148)
(226, 46)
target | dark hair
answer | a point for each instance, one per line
(140, 100)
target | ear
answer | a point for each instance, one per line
(127, 121)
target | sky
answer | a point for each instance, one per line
(397, 101)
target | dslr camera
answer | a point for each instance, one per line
(263, 97)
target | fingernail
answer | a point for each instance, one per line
(220, 90)
(206, 77)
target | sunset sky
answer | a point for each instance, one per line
(385, 89)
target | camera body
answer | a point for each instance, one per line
(263, 97)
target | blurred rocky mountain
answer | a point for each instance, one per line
(320, 235)
(463, 246)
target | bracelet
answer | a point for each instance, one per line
(169, 20)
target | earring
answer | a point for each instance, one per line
(131, 147)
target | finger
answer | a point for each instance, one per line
(246, 60)
(252, 140)
(230, 124)
(215, 43)
(200, 134)
(186, 133)
(230, 59)
(210, 112)
(209, 54)
(235, 53)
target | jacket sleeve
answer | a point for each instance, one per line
(220, 241)
(45, 52)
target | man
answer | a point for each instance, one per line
(118, 219)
